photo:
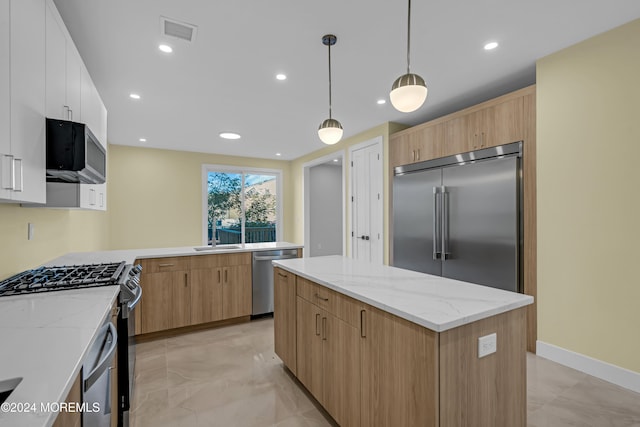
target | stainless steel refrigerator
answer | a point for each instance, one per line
(461, 217)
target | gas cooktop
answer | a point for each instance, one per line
(44, 279)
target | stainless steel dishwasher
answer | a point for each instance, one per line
(262, 280)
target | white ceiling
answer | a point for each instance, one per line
(225, 80)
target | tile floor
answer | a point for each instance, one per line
(231, 377)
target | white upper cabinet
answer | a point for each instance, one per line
(22, 109)
(5, 101)
(63, 69)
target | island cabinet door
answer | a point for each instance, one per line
(399, 372)
(341, 370)
(284, 316)
(309, 347)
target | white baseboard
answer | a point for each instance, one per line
(594, 367)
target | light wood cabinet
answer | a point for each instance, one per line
(68, 418)
(309, 347)
(419, 146)
(399, 372)
(328, 350)
(191, 290)
(206, 295)
(284, 317)
(236, 291)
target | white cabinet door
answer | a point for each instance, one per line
(5, 101)
(56, 91)
(63, 69)
(27, 125)
(74, 82)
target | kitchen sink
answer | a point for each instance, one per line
(215, 248)
(7, 386)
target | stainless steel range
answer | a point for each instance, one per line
(60, 278)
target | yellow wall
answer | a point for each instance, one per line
(155, 196)
(383, 130)
(588, 107)
(56, 233)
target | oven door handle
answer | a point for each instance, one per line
(132, 304)
(105, 362)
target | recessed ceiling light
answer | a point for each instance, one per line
(143, 139)
(165, 48)
(278, 154)
(335, 160)
(281, 76)
(490, 45)
(134, 96)
(381, 101)
(229, 135)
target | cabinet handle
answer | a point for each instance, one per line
(324, 329)
(186, 280)
(413, 152)
(10, 174)
(482, 139)
(282, 275)
(165, 265)
(317, 329)
(18, 182)
(363, 333)
(323, 299)
(66, 107)
(418, 154)
(219, 276)
(226, 276)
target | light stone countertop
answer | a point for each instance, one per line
(130, 255)
(44, 339)
(437, 303)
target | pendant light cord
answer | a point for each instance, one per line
(329, 79)
(408, 33)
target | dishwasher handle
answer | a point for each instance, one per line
(273, 257)
(105, 362)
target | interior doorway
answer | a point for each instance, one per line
(324, 210)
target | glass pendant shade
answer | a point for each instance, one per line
(408, 93)
(330, 131)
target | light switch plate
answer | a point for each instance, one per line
(487, 345)
(30, 229)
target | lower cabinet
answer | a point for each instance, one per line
(69, 418)
(186, 291)
(284, 316)
(399, 372)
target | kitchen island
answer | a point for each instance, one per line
(382, 346)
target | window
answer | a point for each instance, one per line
(241, 205)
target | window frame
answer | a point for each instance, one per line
(241, 170)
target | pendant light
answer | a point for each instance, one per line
(330, 131)
(409, 91)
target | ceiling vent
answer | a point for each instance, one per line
(181, 30)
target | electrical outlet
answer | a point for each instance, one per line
(487, 345)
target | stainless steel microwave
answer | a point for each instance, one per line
(74, 154)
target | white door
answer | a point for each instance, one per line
(366, 203)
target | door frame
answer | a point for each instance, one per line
(307, 201)
(376, 141)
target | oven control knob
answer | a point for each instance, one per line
(135, 270)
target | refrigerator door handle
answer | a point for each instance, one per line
(445, 224)
(436, 224)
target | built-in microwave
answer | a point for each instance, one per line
(74, 154)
